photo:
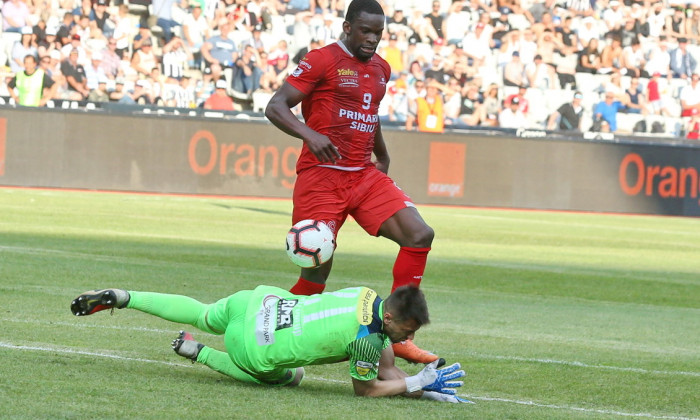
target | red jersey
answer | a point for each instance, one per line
(342, 98)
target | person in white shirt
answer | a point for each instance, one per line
(511, 116)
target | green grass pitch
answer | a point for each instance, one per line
(552, 315)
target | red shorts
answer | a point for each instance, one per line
(330, 195)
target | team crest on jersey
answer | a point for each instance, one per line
(363, 368)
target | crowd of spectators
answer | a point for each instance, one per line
(498, 63)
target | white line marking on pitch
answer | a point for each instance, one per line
(315, 378)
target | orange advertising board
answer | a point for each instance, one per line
(446, 169)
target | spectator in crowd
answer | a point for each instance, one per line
(21, 48)
(514, 71)
(693, 29)
(607, 111)
(32, 84)
(436, 71)
(313, 44)
(255, 39)
(15, 16)
(511, 116)
(273, 79)
(393, 55)
(611, 59)
(99, 94)
(568, 116)
(76, 45)
(118, 92)
(436, 18)
(659, 59)
(48, 44)
(588, 31)
(539, 74)
(94, 71)
(219, 49)
(589, 60)
(479, 42)
(471, 110)
(633, 59)
(247, 74)
(175, 57)
(75, 75)
(567, 37)
(195, 29)
(634, 98)
(144, 59)
(65, 30)
(656, 101)
(690, 96)
(452, 98)
(430, 113)
(675, 23)
(682, 62)
(163, 10)
(522, 100)
(110, 59)
(456, 23)
(125, 28)
(693, 126)
(219, 100)
(100, 18)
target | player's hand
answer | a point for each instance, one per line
(323, 149)
(445, 381)
(423, 378)
(436, 396)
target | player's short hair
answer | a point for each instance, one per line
(408, 303)
(358, 6)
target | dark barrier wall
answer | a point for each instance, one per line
(70, 149)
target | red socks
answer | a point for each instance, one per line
(409, 266)
(307, 288)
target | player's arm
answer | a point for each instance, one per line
(278, 111)
(380, 151)
(390, 381)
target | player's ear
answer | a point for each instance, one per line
(346, 27)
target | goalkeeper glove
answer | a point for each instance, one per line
(423, 378)
(436, 396)
(445, 380)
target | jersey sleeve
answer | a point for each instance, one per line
(309, 72)
(364, 356)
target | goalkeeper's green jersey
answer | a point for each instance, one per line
(286, 330)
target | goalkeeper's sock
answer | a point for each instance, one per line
(307, 288)
(409, 266)
(175, 308)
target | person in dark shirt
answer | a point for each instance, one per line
(568, 115)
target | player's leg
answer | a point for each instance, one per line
(408, 229)
(387, 211)
(318, 196)
(175, 308)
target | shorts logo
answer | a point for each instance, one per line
(285, 317)
(363, 368)
(264, 324)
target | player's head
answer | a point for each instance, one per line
(405, 311)
(363, 27)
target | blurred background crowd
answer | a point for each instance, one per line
(580, 65)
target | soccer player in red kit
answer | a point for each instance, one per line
(340, 87)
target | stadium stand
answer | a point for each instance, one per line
(480, 38)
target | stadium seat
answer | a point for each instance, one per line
(260, 100)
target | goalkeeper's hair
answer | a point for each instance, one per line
(358, 6)
(406, 303)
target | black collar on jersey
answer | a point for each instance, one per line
(376, 325)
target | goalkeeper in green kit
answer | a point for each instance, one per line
(271, 334)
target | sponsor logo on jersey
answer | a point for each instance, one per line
(305, 64)
(347, 72)
(365, 310)
(264, 323)
(363, 368)
(361, 121)
(348, 82)
(285, 317)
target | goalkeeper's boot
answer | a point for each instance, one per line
(98, 300)
(186, 346)
(408, 351)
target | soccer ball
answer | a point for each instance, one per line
(310, 243)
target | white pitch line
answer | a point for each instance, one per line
(476, 355)
(585, 365)
(315, 378)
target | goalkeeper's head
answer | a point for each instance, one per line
(405, 311)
